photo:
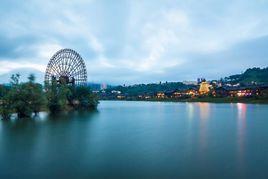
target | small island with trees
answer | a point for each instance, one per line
(28, 98)
(64, 89)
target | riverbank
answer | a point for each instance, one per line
(205, 99)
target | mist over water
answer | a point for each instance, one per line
(140, 139)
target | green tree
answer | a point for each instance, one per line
(5, 108)
(37, 99)
(25, 98)
(52, 97)
(58, 96)
(84, 98)
(15, 78)
(65, 94)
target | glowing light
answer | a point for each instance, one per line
(204, 88)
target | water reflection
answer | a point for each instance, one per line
(44, 138)
(204, 114)
(204, 109)
(242, 110)
(190, 110)
(241, 132)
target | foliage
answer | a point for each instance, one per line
(30, 97)
(26, 98)
(3, 91)
(257, 75)
(153, 88)
(37, 98)
(84, 98)
(57, 97)
(63, 97)
(264, 94)
(5, 108)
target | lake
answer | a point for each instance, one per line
(139, 140)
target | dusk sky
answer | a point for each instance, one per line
(127, 42)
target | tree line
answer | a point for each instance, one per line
(259, 75)
(28, 98)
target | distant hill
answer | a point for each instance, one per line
(97, 86)
(24, 72)
(256, 75)
(149, 88)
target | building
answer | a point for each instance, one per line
(120, 97)
(240, 91)
(204, 87)
(192, 92)
(190, 82)
(103, 86)
(160, 95)
(247, 91)
(115, 92)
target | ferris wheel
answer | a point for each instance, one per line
(66, 66)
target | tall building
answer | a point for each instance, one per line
(204, 87)
(103, 86)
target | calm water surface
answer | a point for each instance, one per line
(140, 140)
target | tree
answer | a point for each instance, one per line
(84, 98)
(52, 97)
(5, 107)
(58, 96)
(37, 99)
(15, 79)
(26, 98)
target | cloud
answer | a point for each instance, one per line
(7, 66)
(137, 41)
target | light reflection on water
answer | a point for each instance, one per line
(204, 109)
(190, 109)
(204, 114)
(241, 133)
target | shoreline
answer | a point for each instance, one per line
(202, 100)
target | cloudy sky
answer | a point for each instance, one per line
(137, 41)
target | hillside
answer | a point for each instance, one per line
(149, 88)
(258, 75)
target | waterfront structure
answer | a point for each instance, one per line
(204, 87)
(240, 91)
(160, 95)
(120, 97)
(185, 93)
(66, 66)
(243, 91)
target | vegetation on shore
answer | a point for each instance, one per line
(26, 99)
(253, 81)
(257, 75)
(152, 88)
(223, 100)
(207, 99)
